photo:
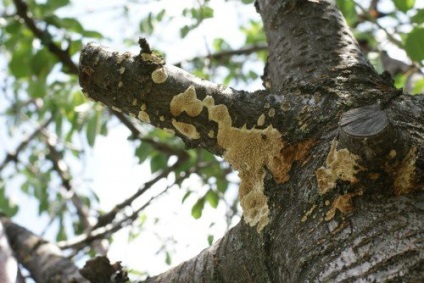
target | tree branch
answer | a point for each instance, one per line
(14, 156)
(44, 36)
(302, 54)
(42, 259)
(226, 54)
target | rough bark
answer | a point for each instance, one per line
(42, 259)
(330, 155)
(348, 145)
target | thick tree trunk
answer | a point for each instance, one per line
(330, 155)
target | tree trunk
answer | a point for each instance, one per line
(330, 155)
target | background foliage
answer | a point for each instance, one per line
(51, 129)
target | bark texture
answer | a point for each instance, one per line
(330, 155)
(42, 259)
(338, 196)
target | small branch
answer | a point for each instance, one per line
(110, 216)
(227, 53)
(136, 134)
(62, 169)
(106, 230)
(14, 156)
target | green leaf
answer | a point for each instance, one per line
(167, 258)
(206, 12)
(404, 5)
(61, 234)
(56, 4)
(347, 7)
(184, 31)
(247, 1)
(93, 127)
(6, 205)
(158, 162)
(419, 87)
(13, 27)
(220, 44)
(418, 17)
(143, 151)
(40, 62)
(19, 64)
(92, 34)
(254, 33)
(414, 44)
(213, 198)
(196, 210)
(186, 195)
(222, 185)
(160, 15)
(210, 240)
(37, 88)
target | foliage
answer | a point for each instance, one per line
(52, 127)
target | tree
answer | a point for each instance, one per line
(330, 154)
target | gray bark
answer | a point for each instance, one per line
(42, 259)
(330, 155)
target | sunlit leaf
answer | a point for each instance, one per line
(210, 239)
(158, 162)
(347, 7)
(196, 210)
(6, 205)
(19, 64)
(40, 62)
(56, 4)
(212, 198)
(414, 44)
(418, 17)
(404, 5)
(61, 233)
(186, 195)
(167, 258)
(93, 127)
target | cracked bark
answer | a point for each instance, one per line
(344, 190)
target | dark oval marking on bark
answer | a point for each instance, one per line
(366, 121)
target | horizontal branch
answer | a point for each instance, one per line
(225, 54)
(246, 128)
(143, 86)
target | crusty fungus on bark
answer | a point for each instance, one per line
(249, 151)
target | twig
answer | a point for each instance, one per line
(81, 241)
(14, 156)
(372, 19)
(110, 216)
(228, 53)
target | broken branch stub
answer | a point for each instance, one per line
(368, 133)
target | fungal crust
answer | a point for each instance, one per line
(252, 152)
(340, 164)
(404, 182)
(186, 129)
